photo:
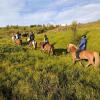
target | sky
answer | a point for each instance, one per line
(29, 12)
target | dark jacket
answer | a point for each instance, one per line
(31, 36)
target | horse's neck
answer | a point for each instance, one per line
(73, 49)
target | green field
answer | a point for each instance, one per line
(28, 74)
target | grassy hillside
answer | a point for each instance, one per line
(28, 74)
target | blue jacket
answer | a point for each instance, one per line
(83, 43)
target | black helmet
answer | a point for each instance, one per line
(45, 35)
(84, 36)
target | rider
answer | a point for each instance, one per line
(13, 36)
(45, 40)
(31, 36)
(82, 46)
(18, 35)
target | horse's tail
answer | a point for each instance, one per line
(97, 59)
(52, 48)
(53, 44)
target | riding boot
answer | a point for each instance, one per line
(77, 55)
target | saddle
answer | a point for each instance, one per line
(45, 44)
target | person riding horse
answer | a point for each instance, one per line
(17, 39)
(46, 40)
(18, 36)
(82, 46)
(46, 46)
(31, 40)
(31, 37)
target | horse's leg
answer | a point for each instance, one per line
(49, 52)
(89, 63)
(74, 61)
(81, 63)
(35, 45)
(20, 42)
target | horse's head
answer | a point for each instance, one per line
(71, 48)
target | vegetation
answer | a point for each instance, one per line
(28, 74)
(74, 31)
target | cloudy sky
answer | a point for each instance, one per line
(27, 12)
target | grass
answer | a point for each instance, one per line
(28, 74)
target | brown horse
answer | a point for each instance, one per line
(18, 42)
(92, 57)
(49, 48)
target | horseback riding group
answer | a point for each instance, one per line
(78, 53)
(45, 45)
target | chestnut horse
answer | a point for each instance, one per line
(92, 57)
(49, 48)
(18, 42)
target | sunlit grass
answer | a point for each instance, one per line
(27, 74)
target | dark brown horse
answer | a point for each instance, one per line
(49, 48)
(25, 35)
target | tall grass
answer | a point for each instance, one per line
(28, 74)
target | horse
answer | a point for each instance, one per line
(25, 35)
(18, 42)
(33, 42)
(49, 48)
(93, 58)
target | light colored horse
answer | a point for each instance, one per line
(32, 43)
(92, 57)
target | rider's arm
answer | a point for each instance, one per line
(82, 43)
(44, 39)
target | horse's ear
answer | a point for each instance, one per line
(68, 49)
(67, 45)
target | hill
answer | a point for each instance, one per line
(28, 74)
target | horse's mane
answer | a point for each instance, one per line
(73, 45)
